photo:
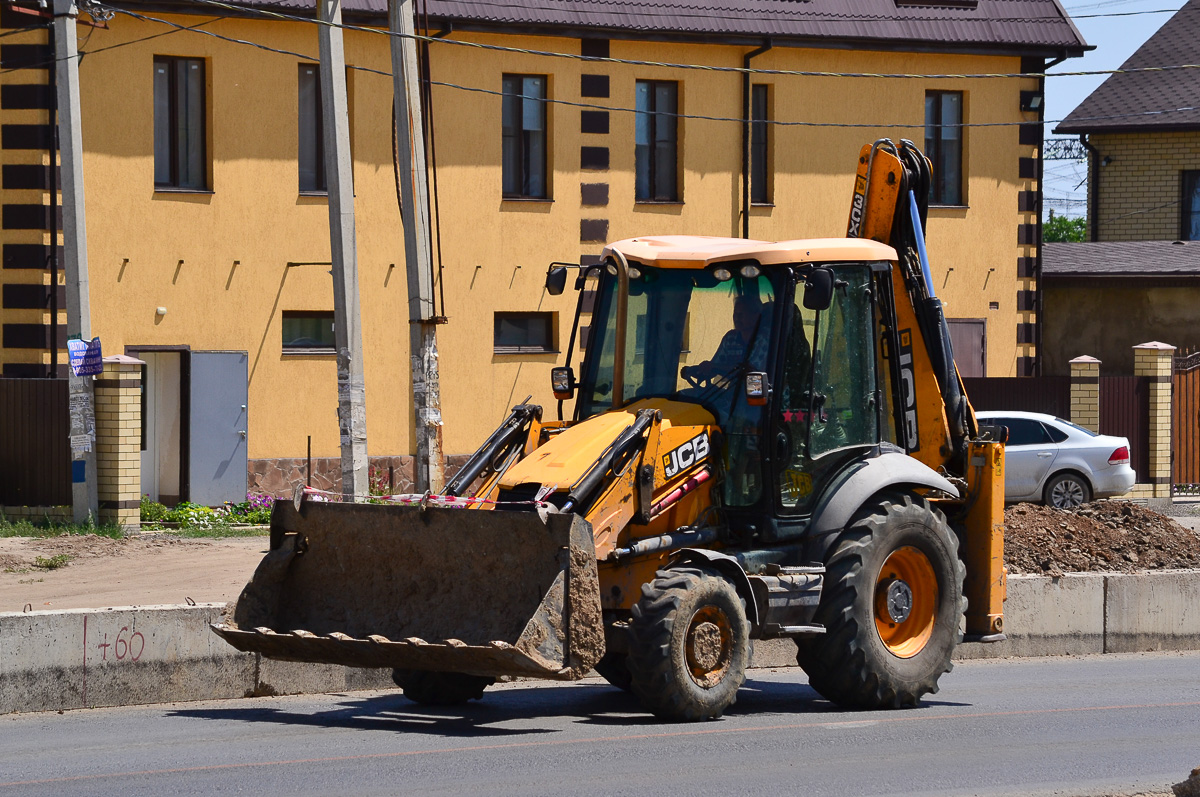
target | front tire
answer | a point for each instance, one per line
(892, 606)
(440, 688)
(1067, 491)
(689, 645)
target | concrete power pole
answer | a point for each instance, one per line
(347, 326)
(85, 498)
(414, 199)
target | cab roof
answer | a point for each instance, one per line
(698, 251)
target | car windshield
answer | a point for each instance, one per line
(716, 320)
(1065, 422)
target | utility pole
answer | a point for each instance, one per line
(85, 498)
(414, 200)
(347, 324)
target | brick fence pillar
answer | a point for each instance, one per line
(119, 441)
(1156, 360)
(1085, 392)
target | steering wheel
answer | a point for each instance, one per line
(698, 382)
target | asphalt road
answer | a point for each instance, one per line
(1097, 725)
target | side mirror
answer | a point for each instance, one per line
(562, 380)
(818, 289)
(757, 389)
(556, 280)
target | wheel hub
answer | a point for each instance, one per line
(899, 600)
(709, 646)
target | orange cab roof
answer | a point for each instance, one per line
(697, 251)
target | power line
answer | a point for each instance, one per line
(700, 67)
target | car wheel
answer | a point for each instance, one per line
(1067, 491)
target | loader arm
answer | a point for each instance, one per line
(936, 421)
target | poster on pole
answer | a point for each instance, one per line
(85, 357)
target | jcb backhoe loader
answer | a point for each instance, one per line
(769, 439)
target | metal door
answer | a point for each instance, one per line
(968, 337)
(217, 428)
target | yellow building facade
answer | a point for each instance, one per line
(217, 269)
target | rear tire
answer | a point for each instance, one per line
(689, 645)
(891, 606)
(1067, 491)
(440, 688)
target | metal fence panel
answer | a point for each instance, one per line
(1185, 425)
(1048, 394)
(1125, 411)
(35, 456)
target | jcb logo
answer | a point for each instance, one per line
(686, 455)
(908, 393)
(856, 207)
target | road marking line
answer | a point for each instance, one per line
(593, 739)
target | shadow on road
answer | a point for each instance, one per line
(588, 703)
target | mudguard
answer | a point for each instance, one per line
(868, 477)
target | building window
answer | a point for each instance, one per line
(180, 149)
(1191, 206)
(943, 145)
(308, 331)
(312, 138)
(524, 136)
(656, 137)
(760, 143)
(522, 333)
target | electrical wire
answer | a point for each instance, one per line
(700, 67)
(619, 109)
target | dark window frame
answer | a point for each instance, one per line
(663, 188)
(1189, 216)
(175, 152)
(522, 170)
(320, 184)
(939, 152)
(320, 348)
(548, 345)
(760, 144)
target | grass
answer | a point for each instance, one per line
(52, 562)
(51, 528)
(218, 531)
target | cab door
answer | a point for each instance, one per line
(825, 413)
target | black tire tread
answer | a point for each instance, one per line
(843, 665)
(654, 678)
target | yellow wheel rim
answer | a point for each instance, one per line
(709, 646)
(906, 599)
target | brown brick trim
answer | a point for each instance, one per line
(1085, 380)
(1160, 380)
(593, 158)
(593, 122)
(1026, 267)
(1026, 300)
(593, 86)
(593, 194)
(129, 503)
(1027, 168)
(593, 230)
(1027, 234)
(117, 384)
(1160, 480)
(1027, 201)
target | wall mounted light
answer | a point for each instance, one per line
(1106, 160)
(1031, 100)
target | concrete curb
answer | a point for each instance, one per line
(135, 655)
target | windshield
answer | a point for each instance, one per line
(688, 335)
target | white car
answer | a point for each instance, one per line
(1055, 462)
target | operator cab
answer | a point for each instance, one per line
(775, 340)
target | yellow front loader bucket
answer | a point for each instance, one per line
(452, 590)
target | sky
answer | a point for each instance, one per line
(1115, 38)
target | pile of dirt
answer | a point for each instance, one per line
(1103, 536)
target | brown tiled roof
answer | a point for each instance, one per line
(1020, 26)
(1121, 259)
(1130, 99)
